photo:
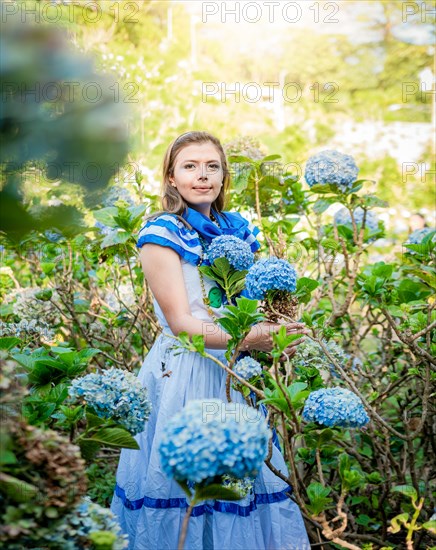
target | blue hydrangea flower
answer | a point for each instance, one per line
(115, 394)
(343, 217)
(74, 532)
(335, 407)
(331, 167)
(209, 438)
(416, 236)
(247, 368)
(237, 251)
(270, 274)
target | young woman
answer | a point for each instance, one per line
(150, 506)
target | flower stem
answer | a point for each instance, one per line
(185, 525)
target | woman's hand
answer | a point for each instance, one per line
(260, 337)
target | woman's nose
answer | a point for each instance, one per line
(202, 172)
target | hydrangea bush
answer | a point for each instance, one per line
(208, 438)
(85, 526)
(115, 394)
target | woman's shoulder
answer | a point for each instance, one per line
(167, 229)
(172, 221)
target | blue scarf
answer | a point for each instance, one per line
(231, 223)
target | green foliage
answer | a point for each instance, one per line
(319, 498)
(230, 280)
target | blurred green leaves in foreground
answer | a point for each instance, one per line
(58, 111)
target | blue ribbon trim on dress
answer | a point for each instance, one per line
(218, 506)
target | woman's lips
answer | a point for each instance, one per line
(202, 189)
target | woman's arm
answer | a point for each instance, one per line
(163, 270)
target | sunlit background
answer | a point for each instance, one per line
(291, 78)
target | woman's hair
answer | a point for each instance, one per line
(171, 200)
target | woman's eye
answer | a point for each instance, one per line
(189, 166)
(214, 166)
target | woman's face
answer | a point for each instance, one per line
(198, 175)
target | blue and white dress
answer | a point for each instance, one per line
(150, 506)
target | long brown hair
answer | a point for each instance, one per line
(171, 200)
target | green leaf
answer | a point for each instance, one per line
(237, 276)
(345, 232)
(318, 496)
(240, 159)
(93, 420)
(323, 188)
(269, 158)
(8, 342)
(114, 437)
(121, 237)
(17, 489)
(430, 526)
(247, 305)
(222, 267)
(321, 205)
(137, 211)
(216, 491)
(240, 181)
(198, 341)
(330, 244)
(26, 361)
(395, 311)
(106, 216)
(398, 521)
(44, 295)
(409, 291)
(383, 270)
(51, 512)
(363, 519)
(371, 201)
(306, 284)
(208, 271)
(316, 490)
(88, 448)
(47, 267)
(407, 490)
(297, 393)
